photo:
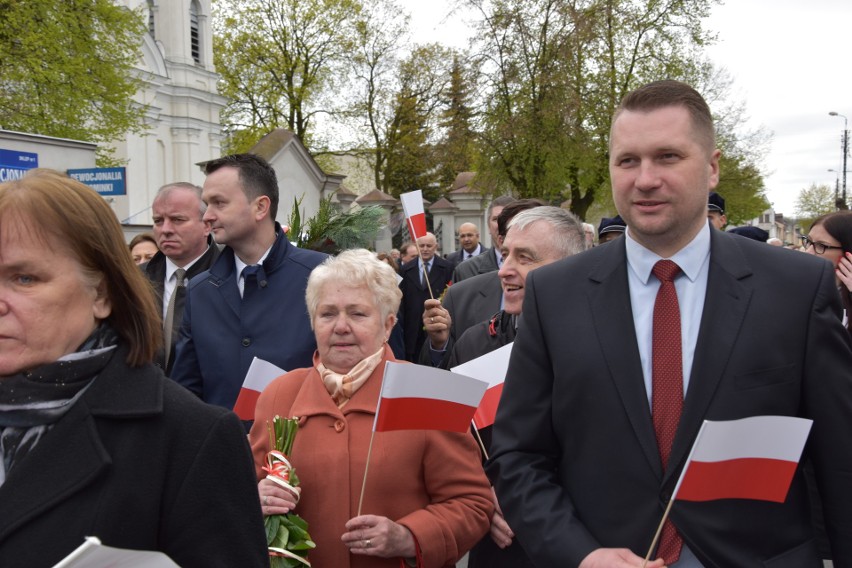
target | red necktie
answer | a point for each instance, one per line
(667, 388)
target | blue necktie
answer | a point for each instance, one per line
(249, 274)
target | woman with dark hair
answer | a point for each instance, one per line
(143, 247)
(830, 237)
(94, 440)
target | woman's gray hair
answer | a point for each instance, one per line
(357, 268)
(567, 230)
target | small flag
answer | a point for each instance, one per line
(415, 397)
(751, 458)
(412, 206)
(491, 368)
(258, 377)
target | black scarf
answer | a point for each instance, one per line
(31, 402)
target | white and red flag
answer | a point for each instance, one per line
(412, 206)
(415, 397)
(491, 368)
(258, 377)
(751, 458)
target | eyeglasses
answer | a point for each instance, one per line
(819, 248)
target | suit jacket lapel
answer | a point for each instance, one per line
(613, 318)
(725, 306)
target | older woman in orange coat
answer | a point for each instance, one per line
(426, 500)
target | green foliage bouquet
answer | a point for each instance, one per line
(286, 535)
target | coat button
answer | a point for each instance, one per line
(339, 426)
(263, 283)
(246, 341)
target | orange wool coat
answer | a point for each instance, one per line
(428, 481)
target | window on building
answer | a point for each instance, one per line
(194, 32)
(151, 18)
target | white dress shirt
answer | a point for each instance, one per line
(691, 287)
(240, 265)
(170, 282)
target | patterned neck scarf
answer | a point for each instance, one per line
(343, 387)
(31, 402)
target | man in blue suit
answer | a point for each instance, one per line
(251, 303)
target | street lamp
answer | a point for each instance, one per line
(836, 183)
(845, 146)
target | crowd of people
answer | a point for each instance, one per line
(118, 379)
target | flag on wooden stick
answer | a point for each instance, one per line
(415, 216)
(491, 368)
(415, 397)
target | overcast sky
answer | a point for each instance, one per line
(790, 61)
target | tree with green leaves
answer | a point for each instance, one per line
(281, 63)
(396, 99)
(743, 148)
(814, 201)
(555, 70)
(455, 152)
(67, 70)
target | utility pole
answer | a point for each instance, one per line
(844, 143)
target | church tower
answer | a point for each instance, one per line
(176, 66)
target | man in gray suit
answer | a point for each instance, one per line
(592, 433)
(488, 261)
(185, 251)
(467, 303)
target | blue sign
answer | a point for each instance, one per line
(106, 181)
(13, 164)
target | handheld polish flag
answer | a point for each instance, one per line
(415, 397)
(751, 458)
(491, 368)
(258, 377)
(412, 206)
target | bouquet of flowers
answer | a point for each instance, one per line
(286, 535)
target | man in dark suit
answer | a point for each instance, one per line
(469, 245)
(185, 252)
(415, 291)
(466, 303)
(592, 433)
(488, 261)
(251, 303)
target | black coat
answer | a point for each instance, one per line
(414, 294)
(140, 463)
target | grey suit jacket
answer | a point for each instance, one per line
(574, 457)
(485, 262)
(458, 256)
(472, 301)
(469, 302)
(155, 270)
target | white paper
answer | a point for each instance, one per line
(92, 554)
(260, 374)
